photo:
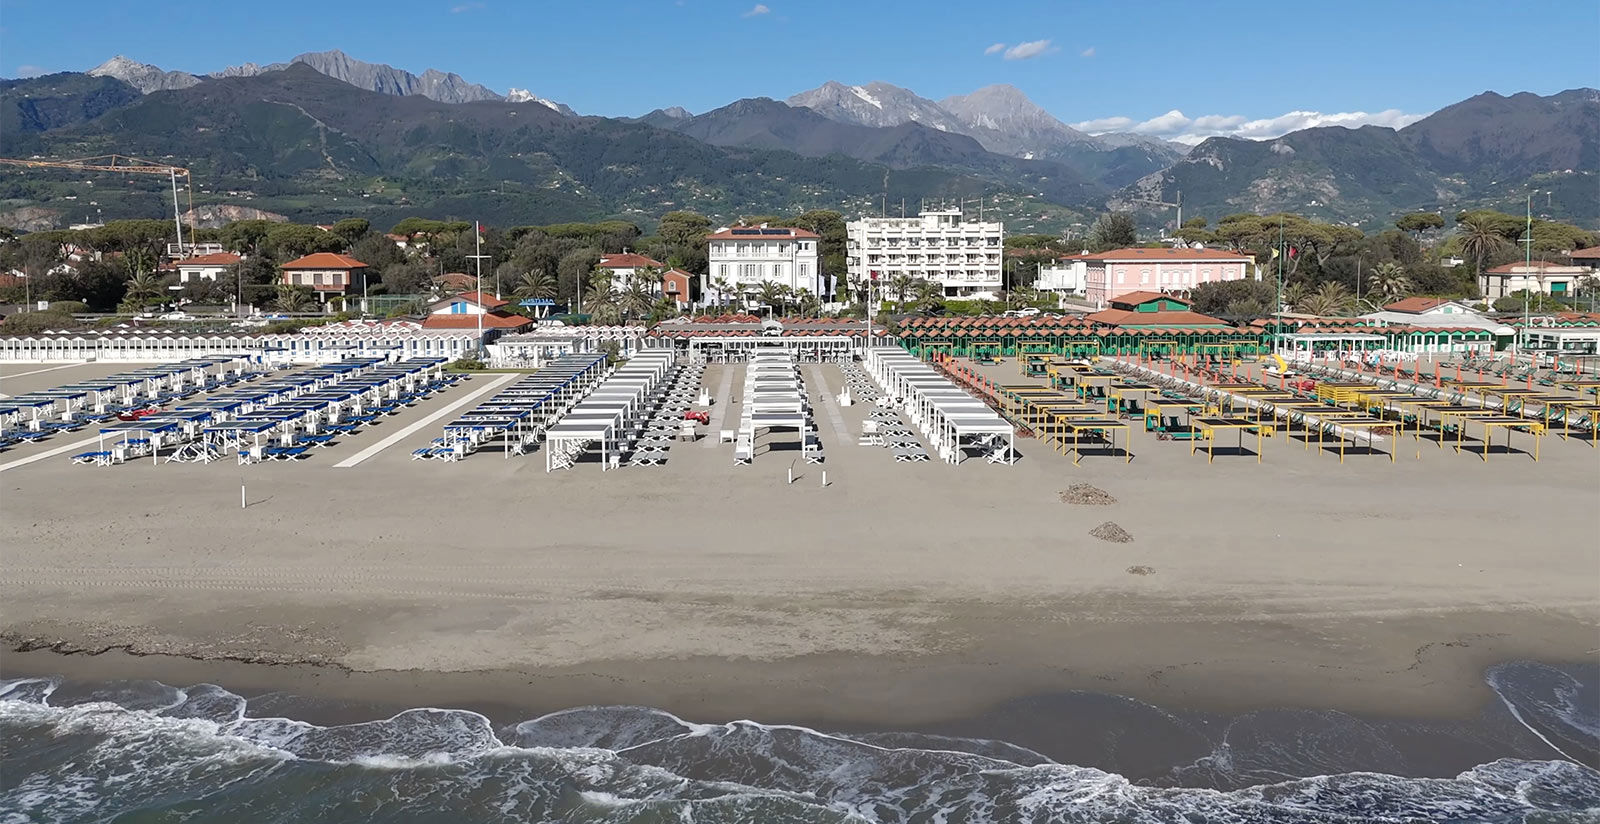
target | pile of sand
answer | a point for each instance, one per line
(1086, 495)
(1141, 570)
(1109, 531)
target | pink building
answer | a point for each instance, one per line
(1118, 272)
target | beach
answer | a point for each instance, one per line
(897, 594)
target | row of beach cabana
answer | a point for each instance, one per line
(278, 418)
(519, 414)
(605, 415)
(34, 416)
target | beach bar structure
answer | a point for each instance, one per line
(950, 418)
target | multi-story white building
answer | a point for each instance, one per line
(748, 256)
(963, 256)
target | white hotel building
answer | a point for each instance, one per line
(939, 247)
(748, 256)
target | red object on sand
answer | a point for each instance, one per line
(698, 416)
(136, 414)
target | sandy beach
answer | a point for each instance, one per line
(896, 596)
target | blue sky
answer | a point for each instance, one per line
(1174, 69)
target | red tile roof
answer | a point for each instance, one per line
(459, 280)
(1415, 305)
(489, 302)
(628, 260)
(1168, 254)
(325, 260)
(491, 320)
(1591, 253)
(217, 259)
(790, 234)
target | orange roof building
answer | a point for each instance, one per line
(323, 271)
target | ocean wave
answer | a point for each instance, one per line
(165, 753)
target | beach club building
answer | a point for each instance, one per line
(469, 310)
(749, 256)
(1109, 275)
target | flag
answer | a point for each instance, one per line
(874, 274)
(1292, 252)
(1274, 254)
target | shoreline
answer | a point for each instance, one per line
(1143, 742)
(1268, 665)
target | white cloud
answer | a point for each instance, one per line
(1089, 52)
(757, 11)
(1030, 49)
(996, 48)
(1178, 127)
(31, 71)
(1106, 124)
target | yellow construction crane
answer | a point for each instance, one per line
(122, 164)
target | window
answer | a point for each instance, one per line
(805, 270)
(1144, 275)
(722, 270)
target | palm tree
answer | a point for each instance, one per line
(1330, 300)
(1388, 282)
(901, 285)
(536, 284)
(771, 293)
(724, 290)
(637, 297)
(143, 287)
(1294, 293)
(293, 299)
(606, 314)
(930, 296)
(138, 260)
(600, 296)
(808, 303)
(1480, 238)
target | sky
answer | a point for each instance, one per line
(1177, 70)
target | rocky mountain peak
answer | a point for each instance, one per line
(143, 76)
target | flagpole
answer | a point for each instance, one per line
(1527, 266)
(1277, 306)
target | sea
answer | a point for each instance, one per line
(140, 752)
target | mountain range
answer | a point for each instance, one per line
(301, 143)
(445, 87)
(1489, 150)
(325, 135)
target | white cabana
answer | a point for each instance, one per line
(949, 417)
